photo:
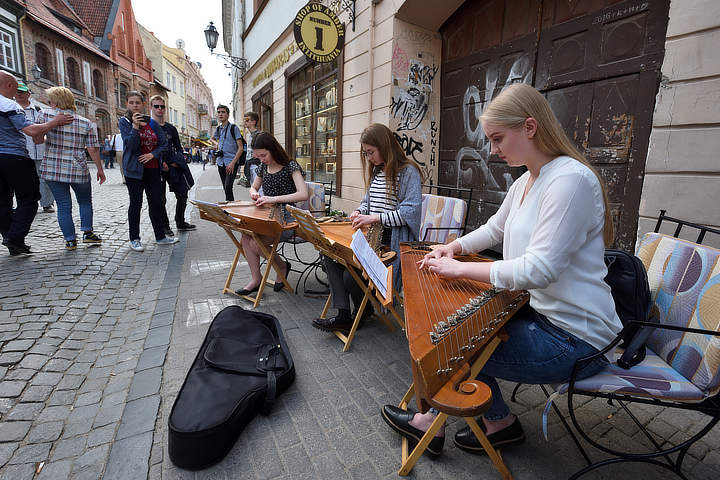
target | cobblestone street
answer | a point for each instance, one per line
(95, 344)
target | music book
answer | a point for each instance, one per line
(372, 264)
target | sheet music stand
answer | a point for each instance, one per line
(333, 240)
(255, 221)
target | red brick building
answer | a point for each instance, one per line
(59, 42)
(112, 22)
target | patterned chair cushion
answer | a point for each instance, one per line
(315, 203)
(446, 212)
(685, 284)
(650, 378)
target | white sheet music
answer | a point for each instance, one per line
(374, 267)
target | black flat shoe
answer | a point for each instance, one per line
(338, 323)
(277, 286)
(399, 420)
(16, 248)
(466, 440)
(244, 291)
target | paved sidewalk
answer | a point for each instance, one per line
(73, 329)
(327, 425)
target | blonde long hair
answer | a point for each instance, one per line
(382, 138)
(521, 101)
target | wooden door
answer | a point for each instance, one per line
(598, 63)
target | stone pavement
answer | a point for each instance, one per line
(95, 344)
(74, 330)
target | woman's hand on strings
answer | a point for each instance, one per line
(438, 251)
(361, 220)
(254, 195)
(444, 266)
(262, 200)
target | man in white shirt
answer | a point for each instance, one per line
(35, 150)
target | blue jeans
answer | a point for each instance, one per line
(537, 352)
(83, 194)
(46, 196)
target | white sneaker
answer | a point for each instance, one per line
(167, 241)
(137, 246)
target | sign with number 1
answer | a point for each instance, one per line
(319, 34)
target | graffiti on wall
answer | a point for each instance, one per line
(475, 145)
(415, 68)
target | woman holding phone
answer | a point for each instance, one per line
(144, 146)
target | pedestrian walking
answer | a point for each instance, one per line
(250, 121)
(35, 150)
(18, 175)
(108, 153)
(64, 166)
(178, 174)
(230, 152)
(144, 145)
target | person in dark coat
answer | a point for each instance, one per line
(178, 174)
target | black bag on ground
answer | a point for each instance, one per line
(242, 365)
(628, 282)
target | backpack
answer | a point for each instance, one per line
(231, 126)
(630, 289)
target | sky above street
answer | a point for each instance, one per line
(171, 20)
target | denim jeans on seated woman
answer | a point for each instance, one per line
(537, 352)
(83, 194)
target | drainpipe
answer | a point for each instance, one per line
(240, 86)
(371, 59)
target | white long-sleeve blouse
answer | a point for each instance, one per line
(553, 247)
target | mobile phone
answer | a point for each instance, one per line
(146, 118)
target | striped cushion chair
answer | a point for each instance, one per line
(443, 218)
(682, 366)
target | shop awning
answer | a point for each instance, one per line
(203, 143)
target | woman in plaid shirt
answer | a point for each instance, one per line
(64, 165)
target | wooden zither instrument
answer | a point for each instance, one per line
(452, 323)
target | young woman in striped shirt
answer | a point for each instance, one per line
(395, 204)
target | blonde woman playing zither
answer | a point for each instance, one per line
(554, 225)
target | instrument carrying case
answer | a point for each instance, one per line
(242, 365)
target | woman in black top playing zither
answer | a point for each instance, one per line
(282, 181)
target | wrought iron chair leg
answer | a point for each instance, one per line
(565, 424)
(645, 432)
(514, 392)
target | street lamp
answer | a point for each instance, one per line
(211, 38)
(36, 72)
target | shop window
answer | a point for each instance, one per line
(44, 61)
(262, 105)
(314, 119)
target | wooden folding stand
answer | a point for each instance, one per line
(246, 218)
(333, 240)
(471, 387)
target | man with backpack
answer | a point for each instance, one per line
(230, 151)
(107, 152)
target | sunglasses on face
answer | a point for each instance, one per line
(159, 106)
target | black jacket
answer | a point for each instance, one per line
(179, 179)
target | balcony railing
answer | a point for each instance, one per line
(204, 135)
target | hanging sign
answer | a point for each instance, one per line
(319, 34)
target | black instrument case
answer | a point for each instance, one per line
(242, 365)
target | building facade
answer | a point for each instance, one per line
(427, 70)
(199, 104)
(112, 22)
(11, 48)
(60, 47)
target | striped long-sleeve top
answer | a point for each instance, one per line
(379, 202)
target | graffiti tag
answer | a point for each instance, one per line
(410, 146)
(409, 107)
(421, 75)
